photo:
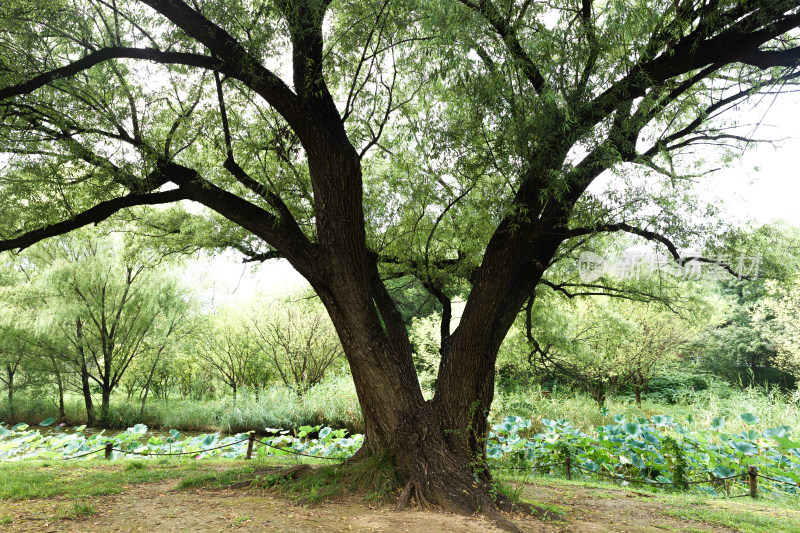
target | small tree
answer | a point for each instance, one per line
(300, 341)
(13, 351)
(607, 345)
(227, 351)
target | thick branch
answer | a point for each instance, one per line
(93, 215)
(738, 42)
(105, 54)
(279, 233)
(773, 58)
(235, 60)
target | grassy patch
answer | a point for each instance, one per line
(766, 515)
(242, 520)
(751, 518)
(136, 465)
(216, 480)
(33, 479)
(374, 477)
(80, 509)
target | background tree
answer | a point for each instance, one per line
(13, 353)
(300, 341)
(743, 345)
(109, 309)
(230, 353)
(525, 105)
(783, 305)
(604, 346)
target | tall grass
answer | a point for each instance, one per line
(334, 403)
(694, 410)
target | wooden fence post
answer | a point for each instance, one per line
(109, 449)
(568, 464)
(251, 438)
(752, 473)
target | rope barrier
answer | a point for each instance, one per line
(196, 452)
(793, 484)
(639, 481)
(81, 455)
(108, 448)
(646, 482)
(296, 452)
(534, 467)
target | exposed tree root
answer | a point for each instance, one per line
(405, 495)
(436, 475)
(294, 472)
(436, 479)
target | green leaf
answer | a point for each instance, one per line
(786, 443)
(660, 420)
(749, 418)
(632, 428)
(723, 471)
(746, 448)
(780, 431)
(496, 452)
(303, 431)
(47, 422)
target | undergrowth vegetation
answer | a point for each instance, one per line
(332, 403)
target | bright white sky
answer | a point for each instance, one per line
(765, 184)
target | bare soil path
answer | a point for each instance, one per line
(152, 507)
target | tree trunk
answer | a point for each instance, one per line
(10, 383)
(638, 391)
(105, 403)
(438, 446)
(147, 384)
(84, 370)
(62, 412)
(87, 396)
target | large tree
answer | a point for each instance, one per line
(453, 142)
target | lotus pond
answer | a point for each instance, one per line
(22, 442)
(658, 451)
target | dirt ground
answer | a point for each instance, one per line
(159, 507)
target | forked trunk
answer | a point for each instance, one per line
(438, 446)
(439, 451)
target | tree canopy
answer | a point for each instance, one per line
(451, 142)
